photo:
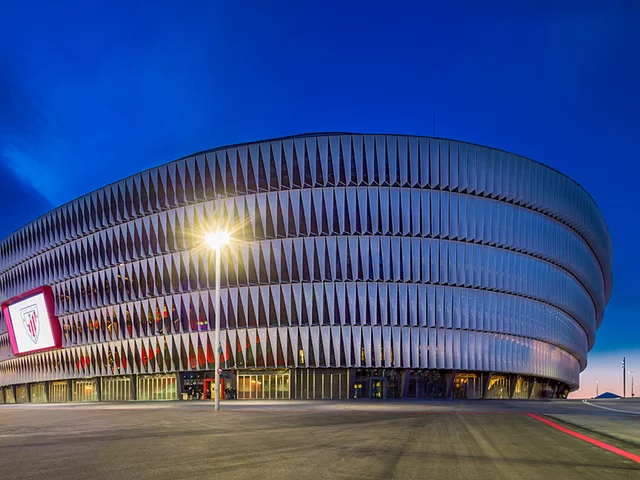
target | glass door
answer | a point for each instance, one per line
(377, 388)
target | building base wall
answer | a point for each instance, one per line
(291, 384)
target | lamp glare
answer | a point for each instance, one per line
(216, 240)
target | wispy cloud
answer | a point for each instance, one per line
(19, 201)
(22, 125)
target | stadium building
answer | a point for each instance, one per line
(375, 266)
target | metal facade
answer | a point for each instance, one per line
(356, 251)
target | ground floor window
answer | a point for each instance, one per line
(22, 394)
(358, 390)
(157, 387)
(380, 383)
(116, 389)
(9, 396)
(467, 385)
(38, 393)
(536, 389)
(427, 384)
(263, 385)
(498, 387)
(279, 384)
(321, 384)
(193, 387)
(562, 391)
(58, 392)
(84, 390)
(522, 388)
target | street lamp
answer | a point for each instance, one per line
(632, 394)
(215, 241)
(596, 387)
(624, 378)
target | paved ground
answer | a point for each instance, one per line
(617, 419)
(309, 440)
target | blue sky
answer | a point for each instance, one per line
(91, 92)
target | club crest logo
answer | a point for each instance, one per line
(31, 321)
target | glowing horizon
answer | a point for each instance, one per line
(606, 367)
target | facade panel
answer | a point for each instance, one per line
(374, 265)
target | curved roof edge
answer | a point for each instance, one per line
(307, 135)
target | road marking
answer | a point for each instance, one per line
(612, 409)
(598, 443)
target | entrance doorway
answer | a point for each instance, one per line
(210, 388)
(376, 387)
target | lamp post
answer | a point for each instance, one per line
(597, 393)
(624, 378)
(216, 240)
(632, 394)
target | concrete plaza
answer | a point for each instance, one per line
(309, 440)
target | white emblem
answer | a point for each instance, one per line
(31, 321)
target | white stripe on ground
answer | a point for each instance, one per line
(612, 409)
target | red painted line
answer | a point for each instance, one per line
(371, 412)
(597, 443)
